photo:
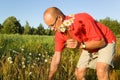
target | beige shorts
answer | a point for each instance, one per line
(105, 55)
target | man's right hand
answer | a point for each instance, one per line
(54, 64)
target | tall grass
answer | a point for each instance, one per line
(28, 57)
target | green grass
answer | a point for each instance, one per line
(28, 57)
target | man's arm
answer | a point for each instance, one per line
(54, 64)
(94, 44)
(90, 45)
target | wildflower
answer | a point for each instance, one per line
(11, 62)
(23, 66)
(15, 51)
(9, 58)
(28, 61)
(23, 63)
(46, 52)
(43, 56)
(39, 54)
(62, 28)
(30, 54)
(46, 60)
(34, 63)
(30, 73)
(22, 49)
(66, 23)
(32, 66)
(38, 58)
(18, 77)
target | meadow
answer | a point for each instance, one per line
(28, 57)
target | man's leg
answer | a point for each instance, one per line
(102, 71)
(82, 64)
(80, 73)
(105, 58)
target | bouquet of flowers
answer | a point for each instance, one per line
(66, 23)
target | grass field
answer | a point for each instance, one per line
(28, 57)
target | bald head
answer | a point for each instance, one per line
(51, 13)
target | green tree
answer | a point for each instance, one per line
(1, 28)
(0, 25)
(11, 25)
(27, 28)
(22, 29)
(40, 30)
(114, 25)
(49, 32)
(33, 31)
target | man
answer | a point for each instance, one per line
(81, 30)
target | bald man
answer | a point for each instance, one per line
(80, 30)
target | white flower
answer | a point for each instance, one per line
(38, 58)
(23, 63)
(71, 15)
(71, 20)
(39, 54)
(18, 77)
(32, 66)
(22, 49)
(11, 62)
(62, 28)
(43, 56)
(66, 23)
(30, 54)
(30, 73)
(46, 60)
(15, 51)
(9, 58)
(23, 66)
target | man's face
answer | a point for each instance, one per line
(52, 22)
(53, 25)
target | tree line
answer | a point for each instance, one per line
(12, 26)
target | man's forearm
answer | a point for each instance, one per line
(52, 71)
(54, 64)
(95, 44)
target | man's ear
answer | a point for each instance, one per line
(60, 18)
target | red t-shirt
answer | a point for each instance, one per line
(84, 28)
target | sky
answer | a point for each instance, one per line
(32, 10)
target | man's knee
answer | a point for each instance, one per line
(102, 70)
(80, 72)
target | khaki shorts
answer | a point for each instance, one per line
(105, 55)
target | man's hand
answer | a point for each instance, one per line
(54, 64)
(71, 43)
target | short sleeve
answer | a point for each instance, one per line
(59, 42)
